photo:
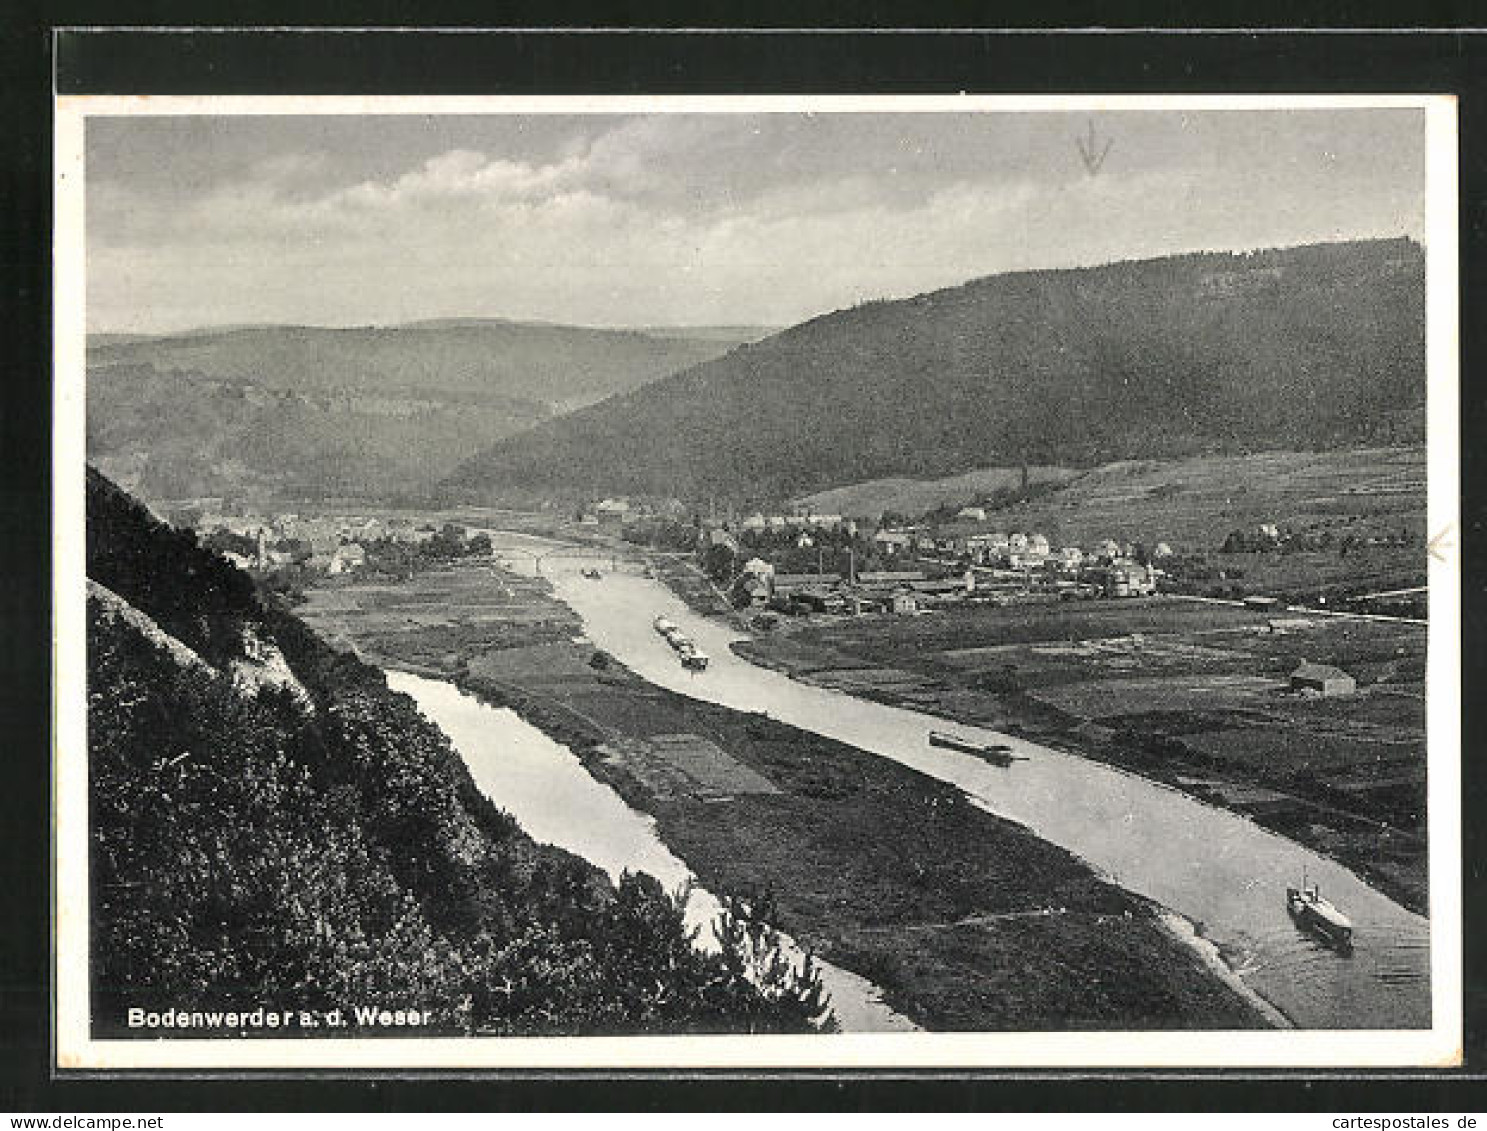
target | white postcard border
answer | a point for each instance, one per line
(76, 1049)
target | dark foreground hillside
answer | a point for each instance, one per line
(272, 828)
(1309, 348)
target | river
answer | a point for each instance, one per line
(545, 787)
(1212, 866)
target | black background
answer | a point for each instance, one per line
(1327, 49)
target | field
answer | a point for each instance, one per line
(965, 920)
(1192, 692)
(439, 621)
(1193, 504)
(917, 496)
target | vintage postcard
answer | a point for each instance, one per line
(758, 582)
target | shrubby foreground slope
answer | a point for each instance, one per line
(272, 827)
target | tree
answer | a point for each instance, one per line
(717, 562)
(753, 951)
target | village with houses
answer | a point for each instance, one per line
(928, 569)
(291, 545)
(801, 566)
(805, 562)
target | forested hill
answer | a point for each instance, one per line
(306, 412)
(272, 826)
(1313, 347)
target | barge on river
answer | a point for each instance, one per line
(692, 659)
(998, 753)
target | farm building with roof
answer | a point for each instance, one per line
(1323, 679)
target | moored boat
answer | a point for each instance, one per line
(998, 753)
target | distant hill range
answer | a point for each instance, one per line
(309, 412)
(1310, 348)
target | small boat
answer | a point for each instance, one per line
(694, 661)
(997, 753)
(664, 626)
(1307, 907)
(592, 574)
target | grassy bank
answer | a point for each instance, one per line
(966, 921)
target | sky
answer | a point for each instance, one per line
(675, 219)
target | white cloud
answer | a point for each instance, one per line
(610, 231)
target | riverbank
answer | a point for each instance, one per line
(1193, 697)
(965, 920)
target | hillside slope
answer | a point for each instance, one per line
(1305, 348)
(307, 841)
(303, 412)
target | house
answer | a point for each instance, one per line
(1108, 550)
(1070, 557)
(893, 541)
(1129, 579)
(775, 522)
(804, 541)
(753, 522)
(1282, 625)
(973, 514)
(904, 602)
(1322, 679)
(720, 537)
(754, 589)
(939, 587)
(889, 576)
(759, 568)
(1017, 543)
(614, 511)
(820, 600)
(1162, 551)
(785, 583)
(1037, 545)
(347, 558)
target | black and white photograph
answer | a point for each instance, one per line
(701, 581)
